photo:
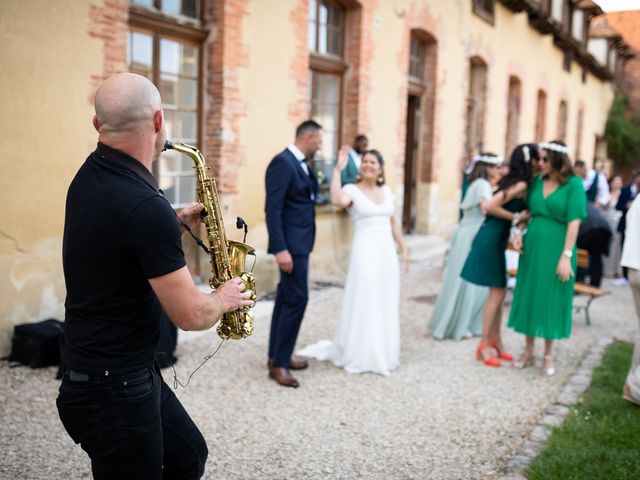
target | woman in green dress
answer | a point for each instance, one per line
(459, 305)
(486, 264)
(546, 272)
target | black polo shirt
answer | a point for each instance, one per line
(119, 231)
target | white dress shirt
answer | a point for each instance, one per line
(300, 157)
(602, 196)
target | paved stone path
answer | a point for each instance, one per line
(442, 415)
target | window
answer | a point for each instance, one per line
(562, 121)
(168, 53)
(513, 115)
(326, 27)
(416, 60)
(541, 114)
(484, 9)
(326, 33)
(476, 107)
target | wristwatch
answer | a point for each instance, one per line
(568, 253)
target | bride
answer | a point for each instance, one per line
(368, 336)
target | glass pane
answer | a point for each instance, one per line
(322, 27)
(186, 164)
(189, 8)
(172, 7)
(169, 89)
(170, 122)
(327, 89)
(189, 59)
(140, 51)
(169, 56)
(188, 93)
(188, 132)
(146, 3)
(168, 162)
(187, 189)
(327, 116)
(167, 184)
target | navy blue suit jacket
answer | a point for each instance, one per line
(289, 206)
(625, 197)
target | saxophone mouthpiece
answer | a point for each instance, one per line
(167, 145)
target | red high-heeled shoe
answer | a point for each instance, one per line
(490, 361)
(502, 354)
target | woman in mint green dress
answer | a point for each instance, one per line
(542, 302)
(486, 264)
(458, 310)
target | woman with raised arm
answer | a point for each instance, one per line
(458, 310)
(542, 301)
(486, 264)
(367, 338)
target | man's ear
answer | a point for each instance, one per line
(158, 121)
(96, 124)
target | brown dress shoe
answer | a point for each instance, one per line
(283, 377)
(298, 364)
(294, 364)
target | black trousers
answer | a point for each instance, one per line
(596, 242)
(291, 301)
(132, 427)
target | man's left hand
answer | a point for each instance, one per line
(190, 215)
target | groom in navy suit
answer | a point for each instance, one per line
(291, 192)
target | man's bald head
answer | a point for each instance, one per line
(125, 102)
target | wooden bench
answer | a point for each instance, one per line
(579, 288)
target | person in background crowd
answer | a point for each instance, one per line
(352, 170)
(612, 262)
(291, 190)
(544, 289)
(594, 183)
(486, 263)
(458, 310)
(631, 260)
(627, 195)
(367, 338)
(594, 236)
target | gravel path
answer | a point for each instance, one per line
(442, 415)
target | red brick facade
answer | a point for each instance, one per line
(628, 25)
(225, 54)
(110, 23)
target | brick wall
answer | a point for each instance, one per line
(627, 23)
(299, 66)
(225, 54)
(110, 23)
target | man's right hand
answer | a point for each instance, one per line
(285, 261)
(232, 295)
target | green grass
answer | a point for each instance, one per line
(600, 439)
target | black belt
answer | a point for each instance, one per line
(107, 376)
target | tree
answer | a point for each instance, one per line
(622, 133)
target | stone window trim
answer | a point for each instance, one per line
(484, 9)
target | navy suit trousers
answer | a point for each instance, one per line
(291, 301)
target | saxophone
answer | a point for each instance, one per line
(227, 257)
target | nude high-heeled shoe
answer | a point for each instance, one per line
(550, 370)
(527, 359)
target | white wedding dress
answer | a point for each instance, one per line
(368, 336)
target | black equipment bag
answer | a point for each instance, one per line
(36, 344)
